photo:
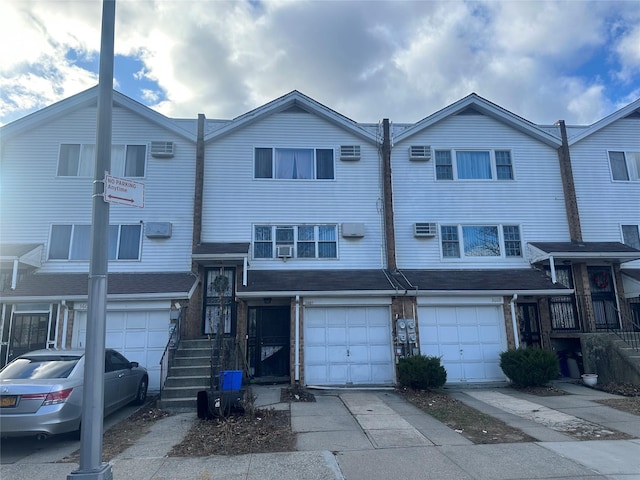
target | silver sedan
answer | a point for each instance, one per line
(41, 391)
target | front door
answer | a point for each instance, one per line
(603, 297)
(268, 342)
(529, 324)
(30, 331)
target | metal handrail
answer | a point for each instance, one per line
(630, 337)
(170, 348)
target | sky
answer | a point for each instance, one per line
(543, 60)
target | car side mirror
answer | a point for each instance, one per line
(134, 364)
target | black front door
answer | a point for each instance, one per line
(529, 324)
(268, 341)
(30, 332)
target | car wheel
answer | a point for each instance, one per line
(141, 395)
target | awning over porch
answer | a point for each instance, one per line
(75, 286)
(274, 283)
(286, 283)
(523, 281)
(210, 254)
(613, 252)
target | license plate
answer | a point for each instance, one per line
(8, 401)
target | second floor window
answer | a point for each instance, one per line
(473, 165)
(462, 241)
(72, 242)
(631, 236)
(294, 163)
(308, 241)
(625, 166)
(78, 160)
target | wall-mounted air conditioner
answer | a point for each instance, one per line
(425, 229)
(353, 230)
(157, 229)
(284, 251)
(350, 152)
(420, 152)
(162, 149)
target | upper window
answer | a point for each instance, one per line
(77, 160)
(307, 241)
(72, 242)
(473, 165)
(294, 163)
(625, 166)
(631, 236)
(461, 241)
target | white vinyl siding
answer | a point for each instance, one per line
(35, 197)
(604, 203)
(353, 196)
(418, 197)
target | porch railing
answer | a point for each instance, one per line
(629, 316)
(170, 348)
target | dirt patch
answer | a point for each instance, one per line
(296, 394)
(630, 405)
(543, 391)
(125, 433)
(268, 431)
(476, 426)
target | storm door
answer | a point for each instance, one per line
(268, 342)
(529, 323)
(603, 297)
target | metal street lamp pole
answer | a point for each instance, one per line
(91, 466)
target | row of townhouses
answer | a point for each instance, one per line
(345, 245)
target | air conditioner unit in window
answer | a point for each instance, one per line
(350, 152)
(425, 229)
(162, 149)
(284, 251)
(420, 152)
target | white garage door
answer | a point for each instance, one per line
(468, 338)
(141, 336)
(348, 345)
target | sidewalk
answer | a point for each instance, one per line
(352, 435)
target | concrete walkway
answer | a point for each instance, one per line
(352, 435)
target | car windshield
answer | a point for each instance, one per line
(55, 366)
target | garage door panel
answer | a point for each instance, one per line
(363, 332)
(135, 339)
(336, 336)
(157, 339)
(137, 320)
(469, 339)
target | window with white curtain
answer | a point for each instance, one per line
(78, 160)
(464, 241)
(473, 165)
(625, 166)
(72, 242)
(309, 241)
(294, 163)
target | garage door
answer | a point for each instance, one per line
(468, 338)
(348, 346)
(141, 336)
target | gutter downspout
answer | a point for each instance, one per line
(245, 266)
(14, 275)
(552, 267)
(65, 321)
(297, 342)
(514, 321)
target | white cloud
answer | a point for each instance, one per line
(365, 59)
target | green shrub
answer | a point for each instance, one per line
(421, 372)
(530, 367)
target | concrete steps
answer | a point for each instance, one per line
(189, 374)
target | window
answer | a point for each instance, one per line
(473, 165)
(480, 241)
(78, 160)
(294, 163)
(72, 242)
(309, 241)
(631, 236)
(625, 166)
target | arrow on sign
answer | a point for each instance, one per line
(120, 198)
